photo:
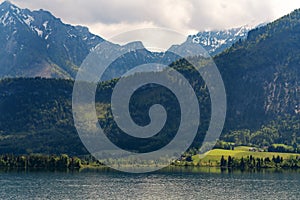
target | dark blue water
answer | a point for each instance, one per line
(161, 185)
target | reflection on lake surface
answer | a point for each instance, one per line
(170, 183)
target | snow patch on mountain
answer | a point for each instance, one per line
(45, 24)
(4, 19)
(28, 19)
(38, 31)
(217, 41)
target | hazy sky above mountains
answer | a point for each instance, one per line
(110, 17)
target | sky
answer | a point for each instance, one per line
(110, 17)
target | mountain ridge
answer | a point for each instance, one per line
(263, 72)
(36, 43)
(218, 40)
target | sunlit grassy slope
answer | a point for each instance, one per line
(213, 157)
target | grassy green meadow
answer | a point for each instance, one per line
(213, 157)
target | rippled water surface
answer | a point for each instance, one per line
(179, 184)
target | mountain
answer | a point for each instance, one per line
(261, 74)
(37, 117)
(214, 42)
(35, 43)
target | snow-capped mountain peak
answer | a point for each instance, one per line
(217, 41)
(36, 43)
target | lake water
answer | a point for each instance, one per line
(171, 184)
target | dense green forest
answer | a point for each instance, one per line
(251, 163)
(36, 117)
(52, 162)
(47, 162)
(284, 130)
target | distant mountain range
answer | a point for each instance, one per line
(260, 72)
(36, 43)
(217, 41)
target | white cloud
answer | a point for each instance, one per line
(111, 17)
(114, 29)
